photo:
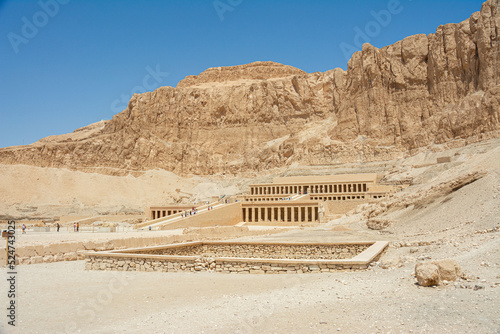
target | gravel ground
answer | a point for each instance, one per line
(462, 225)
(63, 298)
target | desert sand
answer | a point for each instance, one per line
(461, 224)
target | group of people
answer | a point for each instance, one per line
(191, 212)
(194, 211)
(23, 227)
(76, 227)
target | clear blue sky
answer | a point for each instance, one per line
(64, 68)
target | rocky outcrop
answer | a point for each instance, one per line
(423, 90)
(437, 272)
(260, 70)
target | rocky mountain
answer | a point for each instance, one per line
(437, 90)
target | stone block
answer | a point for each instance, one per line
(27, 251)
(70, 256)
(48, 258)
(257, 271)
(36, 259)
(427, 274)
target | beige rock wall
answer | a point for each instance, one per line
(425, 89)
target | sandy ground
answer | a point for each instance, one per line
(462, 224)
(64, 298)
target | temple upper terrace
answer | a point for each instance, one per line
(333, 187)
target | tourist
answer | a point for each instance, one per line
(58, 226)
(24, 229)
(78, 227)
(74, 227)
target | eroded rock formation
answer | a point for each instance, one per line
(423, 90)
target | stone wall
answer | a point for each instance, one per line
(241, 257)
(341, 207)
(75, 250)
(227, 215)
(265, 251)
(212, 265)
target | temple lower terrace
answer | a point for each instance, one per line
(241, 257)
(164, 211)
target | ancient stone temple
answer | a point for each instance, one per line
(285, 201)
(306, 199)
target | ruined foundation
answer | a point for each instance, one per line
(241, 257)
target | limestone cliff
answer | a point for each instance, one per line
(426, 89)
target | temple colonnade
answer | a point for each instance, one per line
(296, 213)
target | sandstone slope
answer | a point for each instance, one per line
(441, 88)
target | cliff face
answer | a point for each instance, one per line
(420, 91)
(425, 89)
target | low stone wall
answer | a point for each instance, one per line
(75, 250)
(213, 265)
(265, 251)
(244, 258)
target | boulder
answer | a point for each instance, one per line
(427, 274)
(449, 269)
(434, 272)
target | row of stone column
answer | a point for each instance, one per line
(281, 214)
(155, 214)
(276, 190)
(312, 189)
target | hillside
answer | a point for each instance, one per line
(441, 88)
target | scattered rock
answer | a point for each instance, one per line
(427, 274)
(390, 263)
(448, 269)
(379, 223)
(437, 272)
